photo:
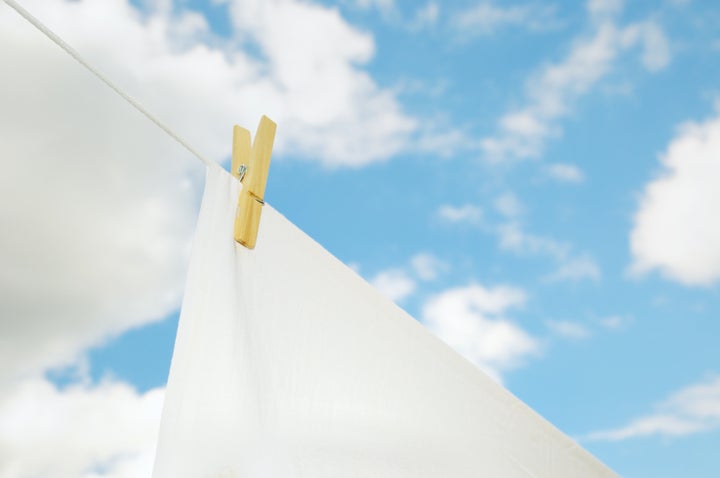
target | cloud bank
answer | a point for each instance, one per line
(108, 430)
(675, 230)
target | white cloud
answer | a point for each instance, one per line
(676, 230)
(426, 266)
(691, 410)
(486, 18)
(395, 284)
(568, 330)
(103, 431)
(472, 320)
(568, 173)
(552, 92)
(466, 213)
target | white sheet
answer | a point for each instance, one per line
(287, 364)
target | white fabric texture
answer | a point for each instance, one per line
(287, 364)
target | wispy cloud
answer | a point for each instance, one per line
(523, 132)
(486, 18)
(509, 205)
(603, 8)
(570, 266)
(424, 16)
(616, 322)
(426, 266)
(567, 173)
(655, 46)
(552, 92)
(575, 268)
(691, 410)
(385, 6)
(466, 213)
(568, 330)
(512, 236)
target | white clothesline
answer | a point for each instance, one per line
(71, 51)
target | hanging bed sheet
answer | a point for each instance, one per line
(287, 364)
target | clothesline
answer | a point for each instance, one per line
(71, 51)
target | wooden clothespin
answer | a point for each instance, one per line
(251, 164)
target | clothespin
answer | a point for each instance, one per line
(251, 164)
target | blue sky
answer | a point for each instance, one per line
(540, 174)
